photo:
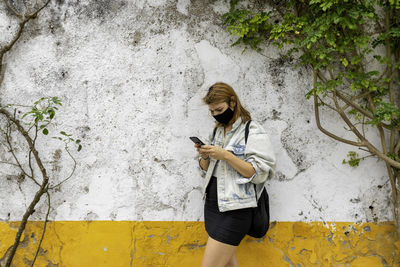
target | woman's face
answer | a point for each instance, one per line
(217, 108)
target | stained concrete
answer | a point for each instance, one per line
(131, 75)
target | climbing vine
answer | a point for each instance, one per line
(353, 51)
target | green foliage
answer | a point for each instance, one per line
(354, 159)
(250, 28)
(339, 39)
(326, 32)
(43, 112)
(387, 112)
(41, 116)
(66, 138)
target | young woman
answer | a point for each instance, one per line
(231, 166)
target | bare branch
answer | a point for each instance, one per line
(363, 126)
(10, 147)
(20, 30)
(353, 98)
(331, 73)
(316, 109)
(13, 10)
(397, 148)
(393, 184)
(354, 105)
(364, 141)
(34, 14)
(39, 193)
(322, 76)
(350, 102)
(30, 151)
(44, 227)
(10, 163)
(73, 170)
(326, 104)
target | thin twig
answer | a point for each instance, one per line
(44, 227)
(363, 125)
(43, 187)
(13, 10)
(316, 110)
(331, 73)
(10, 163)
(326, 104)
(73, 170)
(38, 194)
(13, 154)
(30, 151)
(397, 148)
(364, 141)
(354, 105)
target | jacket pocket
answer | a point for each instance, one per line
(238, 150)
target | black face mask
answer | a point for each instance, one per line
(225, 116)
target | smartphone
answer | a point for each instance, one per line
(196, 140)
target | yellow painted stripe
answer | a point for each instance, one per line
(148, 243)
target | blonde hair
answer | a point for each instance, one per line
(221, 92)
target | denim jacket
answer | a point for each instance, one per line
(235, 191)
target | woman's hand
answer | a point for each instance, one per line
(215, 152)
(203, 154)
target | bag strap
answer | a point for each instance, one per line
(215, 131)
(246, 136)
(246, 131)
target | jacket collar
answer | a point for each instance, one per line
(236, 124)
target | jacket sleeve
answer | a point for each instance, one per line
(259, 153)
(208, 141)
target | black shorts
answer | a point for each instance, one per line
(228, 227)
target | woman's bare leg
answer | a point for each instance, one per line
(217, 254)
(233, 261)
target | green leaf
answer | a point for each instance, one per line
(344, 61)
(79, 148)
(45, 131)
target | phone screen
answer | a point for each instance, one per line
(196, 140)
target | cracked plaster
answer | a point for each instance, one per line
(131, 75)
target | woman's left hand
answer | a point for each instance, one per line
(215, 152)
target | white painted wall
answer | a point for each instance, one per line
(131, 75)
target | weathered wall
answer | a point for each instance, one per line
(128, 243)
(131, 75)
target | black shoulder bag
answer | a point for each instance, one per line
(260, 220)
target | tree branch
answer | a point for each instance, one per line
(73, 170)
(15, 156)
(364, 141)
(20, 29)
(326, 104)
(13, 10)
(354, 105)
(30, 151)
(44, 227)
(10, 163)
(39, 193)
(316, 110)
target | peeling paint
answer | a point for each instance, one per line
(130, 243)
